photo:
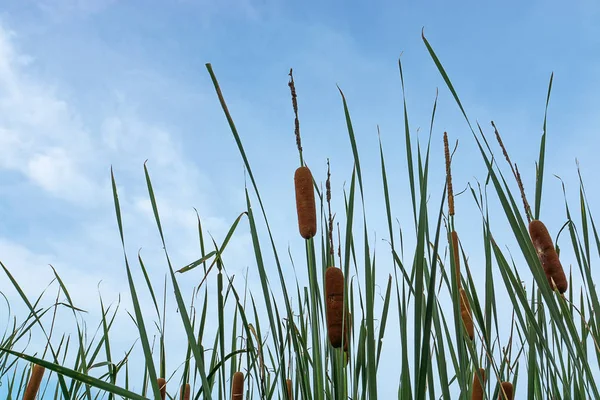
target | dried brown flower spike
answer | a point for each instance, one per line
(37, 373)
(506, 391)
(289, 389)
(547, 254)
(185, 392)
(465, 312)
(162, 386)
(305, 202)
(237, 386)
(478, 385)
(334, 298)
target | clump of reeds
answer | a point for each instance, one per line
(506, 391)
(478, 385)
(548, 256)
(465, 313)
(334, 295)
(237, 386)
(35, 380)
(303, 181)
(162, 386)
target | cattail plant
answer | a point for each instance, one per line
(542, 242)
(289, 389)
(465, 313)
(334, 295)
(162, 386)
(451, 210)
(303, 180)
(478, 385)
(506, 391)
(185, 392)
(548, 256)
(237, 386)
(37, 373)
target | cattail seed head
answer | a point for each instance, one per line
(185, 392)
(162, 386)
(478, 385)
(506, 391)
(465, 312)
(237, 386)
(548, 256)
(305, 202)
(35, 380)
(455, 248)
(289, 389)
(334, 298)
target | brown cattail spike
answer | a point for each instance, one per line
(185, 392)
(506, 391)
(305, 202)
(295, 107)
(237, 386)
(289, 389)
(455, 249)
(465, 312)
(334, 298)
(162, 386)
(478, 385)
(448, 176)
(547, 254)
(35, 380)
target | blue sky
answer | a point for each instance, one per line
(89, 84)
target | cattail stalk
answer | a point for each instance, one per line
(448, 176)
(478, 385)
(162, 385)
(455, 248)
(289, 389)
(548, 256)
(506, 391)
(465, 312)
(334, 295)
(237, 386)
(35, 380)
(347, 324)
(305, 202)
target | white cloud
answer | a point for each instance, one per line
(40, 136)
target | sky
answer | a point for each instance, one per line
(90, 85)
